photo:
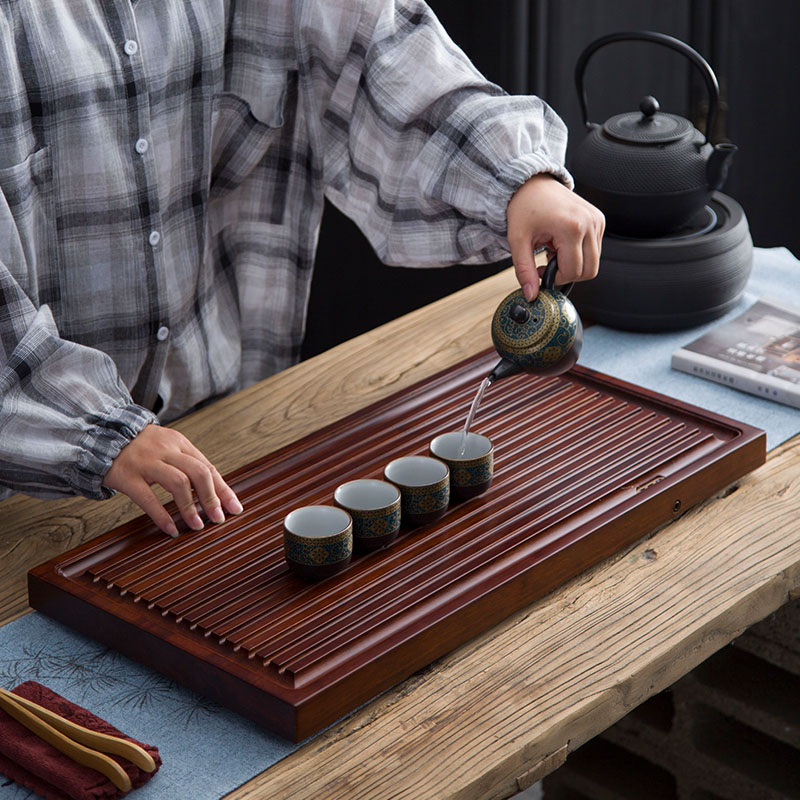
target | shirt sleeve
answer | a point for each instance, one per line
(64, 412)
(420, 150)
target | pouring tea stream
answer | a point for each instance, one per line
(542, 337)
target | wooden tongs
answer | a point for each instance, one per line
(82, 745)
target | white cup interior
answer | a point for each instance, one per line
(416, 471)
(366, 494)
(317, 522)
(449, 445)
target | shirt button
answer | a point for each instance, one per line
(154, 238)
(162, 333)
(141, 146)
(131, 47)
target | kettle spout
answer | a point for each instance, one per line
(718, 164)
(504, 368)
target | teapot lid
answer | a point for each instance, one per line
(520, 327)
(649, 127)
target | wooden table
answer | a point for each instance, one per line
(505, 709)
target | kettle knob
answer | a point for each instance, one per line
(649, 107)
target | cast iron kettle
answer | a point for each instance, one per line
(649, 172)
(543, 337)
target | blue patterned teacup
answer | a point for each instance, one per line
(424, 485)
(470, 459)
(375, 508)
(318, 540)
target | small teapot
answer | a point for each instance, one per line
(543, 337)
(649, 172)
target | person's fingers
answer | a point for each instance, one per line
(591, 256)
(177, 481)
(217, 491)
(570, 260)
(230, 501)
(524, 264)
(600, 232)
(593, 247)
(140, 492)
(206, 482)
(165, 457)
(544, 211)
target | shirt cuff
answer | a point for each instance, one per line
(102, 443)
(510, 178)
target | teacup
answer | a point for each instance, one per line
(424, 485)
(470, 459)
(375, 508)
(318, 540)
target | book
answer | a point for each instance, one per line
(757, 352)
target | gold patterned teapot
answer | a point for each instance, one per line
(543, 337)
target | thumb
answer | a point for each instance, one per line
(526, 272)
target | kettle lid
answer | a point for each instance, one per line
(649, 126)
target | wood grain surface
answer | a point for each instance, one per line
(500, 710)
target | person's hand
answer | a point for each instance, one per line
(166, 457)
(545, 213)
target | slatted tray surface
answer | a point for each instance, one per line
(584, 465)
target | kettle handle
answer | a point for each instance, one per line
(658, 38)
(549, 278)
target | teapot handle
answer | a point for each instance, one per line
(549, 278)
(659, 38)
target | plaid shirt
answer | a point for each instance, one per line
(163, 166)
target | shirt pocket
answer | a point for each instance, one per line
(247, 121)
(28, 240)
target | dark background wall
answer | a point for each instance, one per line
(531, 46)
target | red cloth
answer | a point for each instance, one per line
(31, 762)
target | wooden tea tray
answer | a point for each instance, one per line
(585, 464)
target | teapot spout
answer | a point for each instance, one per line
(718, 164)
(504, 368)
